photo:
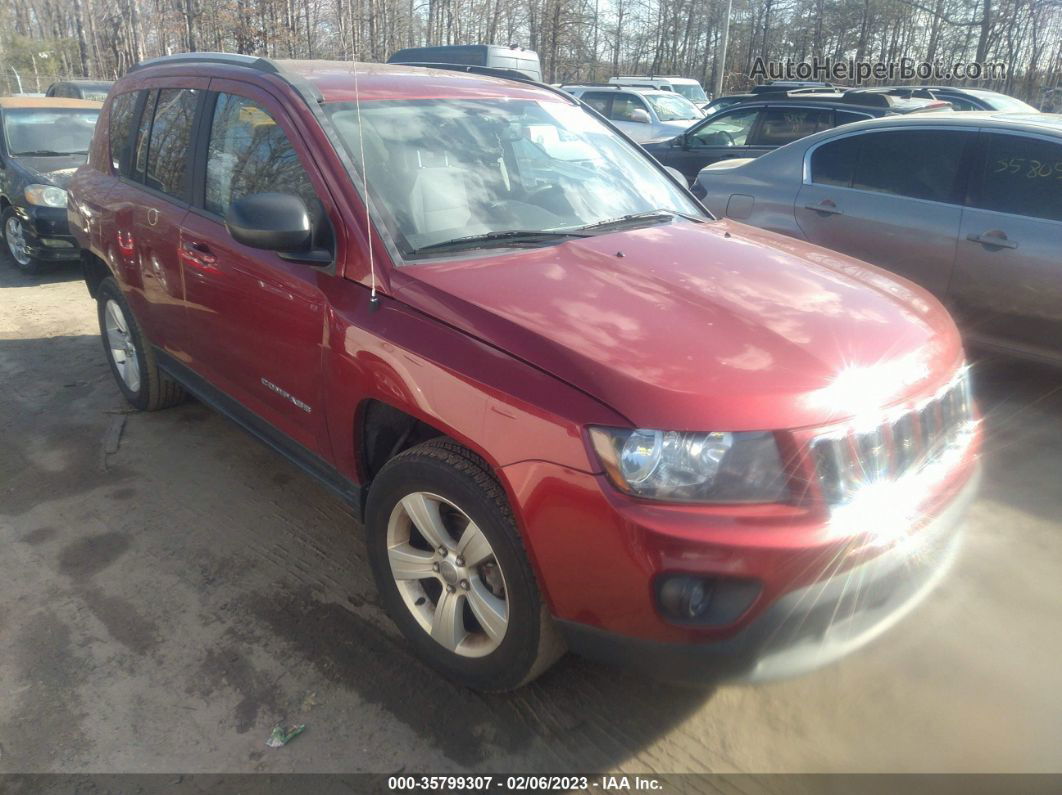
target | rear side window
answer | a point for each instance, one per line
(784, 125)
(249, 153)
(143, 136)
(598, 101)
(918, 164)
(120, 131)
(834, 163)
(1022, 176)
(171, 138)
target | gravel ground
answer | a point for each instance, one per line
(170, 589)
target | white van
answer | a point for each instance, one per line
(686, 86)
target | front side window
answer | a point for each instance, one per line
(784, 125)
(673, 107)
(918, 164)
(1022, 176)
(170, 141)
(439, 170)
(249, 153)
(624, 107)
(120, 131)
(49, 132)
(729, 129)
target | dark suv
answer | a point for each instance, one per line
(572, 409)
(753, 127)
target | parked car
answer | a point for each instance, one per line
(643, 114)
(756, 127)
(571, 408)
(95, 90)
(42, 141)
(492, 56)
(969, 205)
(685, 86)
(962, 98)
(761, 92)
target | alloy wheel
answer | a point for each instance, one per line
(16, 241)
(447, 574)
(120, 344)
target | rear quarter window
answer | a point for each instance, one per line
(120, 130)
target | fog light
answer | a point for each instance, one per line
(51, 242)
(684, 597)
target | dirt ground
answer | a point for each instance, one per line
(170, 589)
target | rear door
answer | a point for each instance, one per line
(726, 135)
(256, 320)
(1007, 285)
(154, 200)
(892, 198)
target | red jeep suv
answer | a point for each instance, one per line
(571, 408)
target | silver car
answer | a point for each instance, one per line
(969, 205)
(643, 114)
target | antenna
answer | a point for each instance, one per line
(373, 299)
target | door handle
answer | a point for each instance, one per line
(826, 207)
(197, 255)
(993, 237)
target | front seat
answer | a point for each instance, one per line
(439, 199)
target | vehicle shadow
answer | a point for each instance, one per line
(1021, 403)
(11, 276)
(280, 600)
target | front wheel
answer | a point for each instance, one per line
(15, 238)
(452, 572)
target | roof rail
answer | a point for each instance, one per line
(230, 58)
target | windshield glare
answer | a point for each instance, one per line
(66, 131)
(443, 169)
(691, 91)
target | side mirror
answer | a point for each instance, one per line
(276, 222)
(641, 116)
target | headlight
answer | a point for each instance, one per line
(46, 195)
(692, 467)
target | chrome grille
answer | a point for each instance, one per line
(851, 458)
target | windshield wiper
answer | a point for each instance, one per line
(634, 218)
(46, 153)
(511, 237)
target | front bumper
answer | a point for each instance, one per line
(47, 234)
(805, 628)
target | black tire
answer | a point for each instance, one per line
(531, 642)
(155, 389)
(32, 267)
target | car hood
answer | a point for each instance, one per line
(51, 170)
(702, 326)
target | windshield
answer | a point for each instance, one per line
(691, 91)
(1004, 102)
(672, 107)
(49, 131)
(439, 170)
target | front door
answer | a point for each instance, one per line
(256, 321)
(1007, 285)
(724, 136)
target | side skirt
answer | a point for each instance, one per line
(306, 460)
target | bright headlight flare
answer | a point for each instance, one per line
(684, 466)
(45, 195)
